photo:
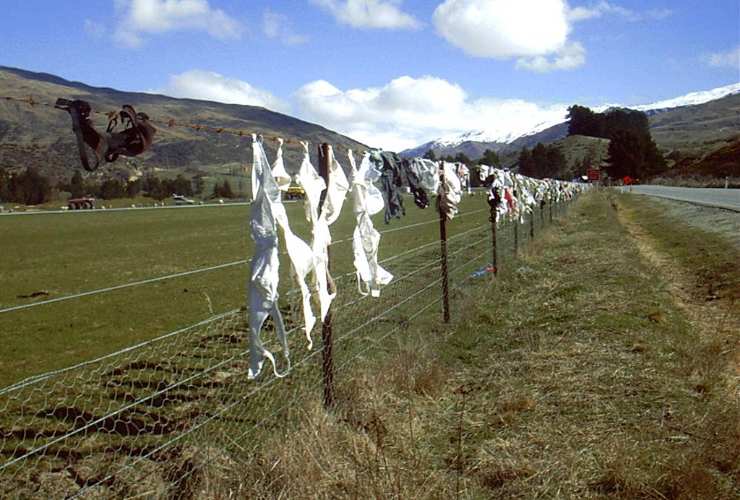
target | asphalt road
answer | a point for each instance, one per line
(729, 199)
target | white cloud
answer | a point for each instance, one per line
(409, 111)
(277, 26)
(385, 14)
(604, 8)
(535, 32)
(571, 56)
(503, 29)
(209, 86)
(140, 17)
(729, 59)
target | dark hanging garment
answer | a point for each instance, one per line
(136, 136)
(413, 177)
(391, 183)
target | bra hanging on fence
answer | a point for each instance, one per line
(135, 138)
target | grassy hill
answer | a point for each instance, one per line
(42, 137)
(578, 148)
(697, 129)
(575, 148)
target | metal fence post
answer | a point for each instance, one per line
(549, 202)
(326, 327)
(516, 236)
(443, 246)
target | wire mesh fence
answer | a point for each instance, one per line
(148, 419)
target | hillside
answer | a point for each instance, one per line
(696, 124)
(697, 129)
(577, 149)
(42, 137)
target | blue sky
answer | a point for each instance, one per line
(392, 73)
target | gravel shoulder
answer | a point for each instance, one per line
(722, 198)
(715, 220)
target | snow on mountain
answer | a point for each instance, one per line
(692, 99)
(502, 135)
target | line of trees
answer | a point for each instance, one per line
(110, 189)
(28, 187)
(542, 161)
(32, 188)
(223, 190)
(632, 150)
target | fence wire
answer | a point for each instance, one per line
(147, 420)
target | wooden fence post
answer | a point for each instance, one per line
(531, 226)
(492, 218)
(443, 247)
(326, 328)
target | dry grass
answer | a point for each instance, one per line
(577, 374)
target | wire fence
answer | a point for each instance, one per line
(148, 420)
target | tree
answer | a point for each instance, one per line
(198, 184)
(555, 162)
(182, 186)
(583, 121)
(429, 155)
(459, 158)
(76, 185)
(526, 165)
(133, 188)
(539, 160)
(634, 155)
(4, 185)
(111, 189)
(29, 188)
(153, 187)
(226, 191)
(490, 158)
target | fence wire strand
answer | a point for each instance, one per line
(147, 420)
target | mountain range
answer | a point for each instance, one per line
(685, 123)
(687, 129)
(42, 137)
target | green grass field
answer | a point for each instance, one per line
(63, 254)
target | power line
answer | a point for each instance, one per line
(174, 123)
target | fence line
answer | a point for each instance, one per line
(299, 363)
(183, 274)
(125, 285)
(185, 381)
(36, 378)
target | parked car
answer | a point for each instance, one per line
(84, 203)
(295, 193)
(181, 200)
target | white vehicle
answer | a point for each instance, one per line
(181, 200)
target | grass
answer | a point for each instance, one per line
(62, 254)
(583, 371)
(191, 377)
(578, 374)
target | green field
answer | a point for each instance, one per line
(63, 254)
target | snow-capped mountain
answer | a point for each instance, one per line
(692, 99)
(502, 136)
(474, 143)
